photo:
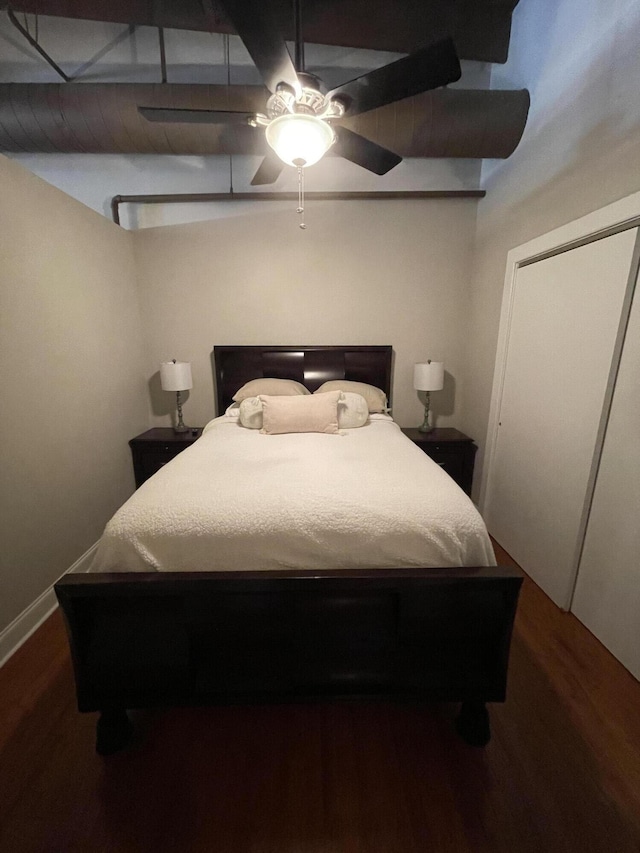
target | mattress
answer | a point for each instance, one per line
(241, 500)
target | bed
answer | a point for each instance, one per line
(292, 567)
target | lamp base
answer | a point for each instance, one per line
(425, 426)
(180, 426)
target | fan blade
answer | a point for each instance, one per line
(363, 152)
(428, 68)
(269, 170)
(259, 32)
(195, 116)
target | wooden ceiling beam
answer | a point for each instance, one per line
(480, 28)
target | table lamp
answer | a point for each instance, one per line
(428, 376)
(176, 376)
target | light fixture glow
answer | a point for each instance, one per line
(299, 139)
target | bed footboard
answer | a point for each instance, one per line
(139, 640)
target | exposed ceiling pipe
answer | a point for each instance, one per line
(163, 55)
(103, 118)
(188, 198)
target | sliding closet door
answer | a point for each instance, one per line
(607, 596)
(563, 331)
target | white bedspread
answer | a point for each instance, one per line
(237, 499)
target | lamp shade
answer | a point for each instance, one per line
(175, 376)
(299, 139)
(428, 376)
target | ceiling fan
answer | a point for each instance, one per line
(299, 113)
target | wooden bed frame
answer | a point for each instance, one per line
(157, 639)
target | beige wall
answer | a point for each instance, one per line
(71, 373)
(407, 274)
(392, 272)
(580, 151)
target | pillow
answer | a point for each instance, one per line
(300, 414)
(375, 398)
(281, 387)
(352, 412)
(233, 411)
(251, 413)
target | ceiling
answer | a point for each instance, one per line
(101, 117)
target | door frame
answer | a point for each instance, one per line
(612, 219)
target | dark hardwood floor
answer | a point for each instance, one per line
(562, 772)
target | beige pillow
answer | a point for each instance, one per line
(352, 411)
(300, 414)
(375, 398)
(281, 387)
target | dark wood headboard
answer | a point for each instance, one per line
(311, 365)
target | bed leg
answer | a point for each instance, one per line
(472, 723)
(113, 731)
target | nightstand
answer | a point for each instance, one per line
(155, 447)
(452, 450)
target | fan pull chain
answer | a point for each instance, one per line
(301, 197)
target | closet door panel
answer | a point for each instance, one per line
(564, 324)
(607, 596)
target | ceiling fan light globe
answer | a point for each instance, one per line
(299, 137)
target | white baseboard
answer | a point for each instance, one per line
(23, 626)
(82, 563)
